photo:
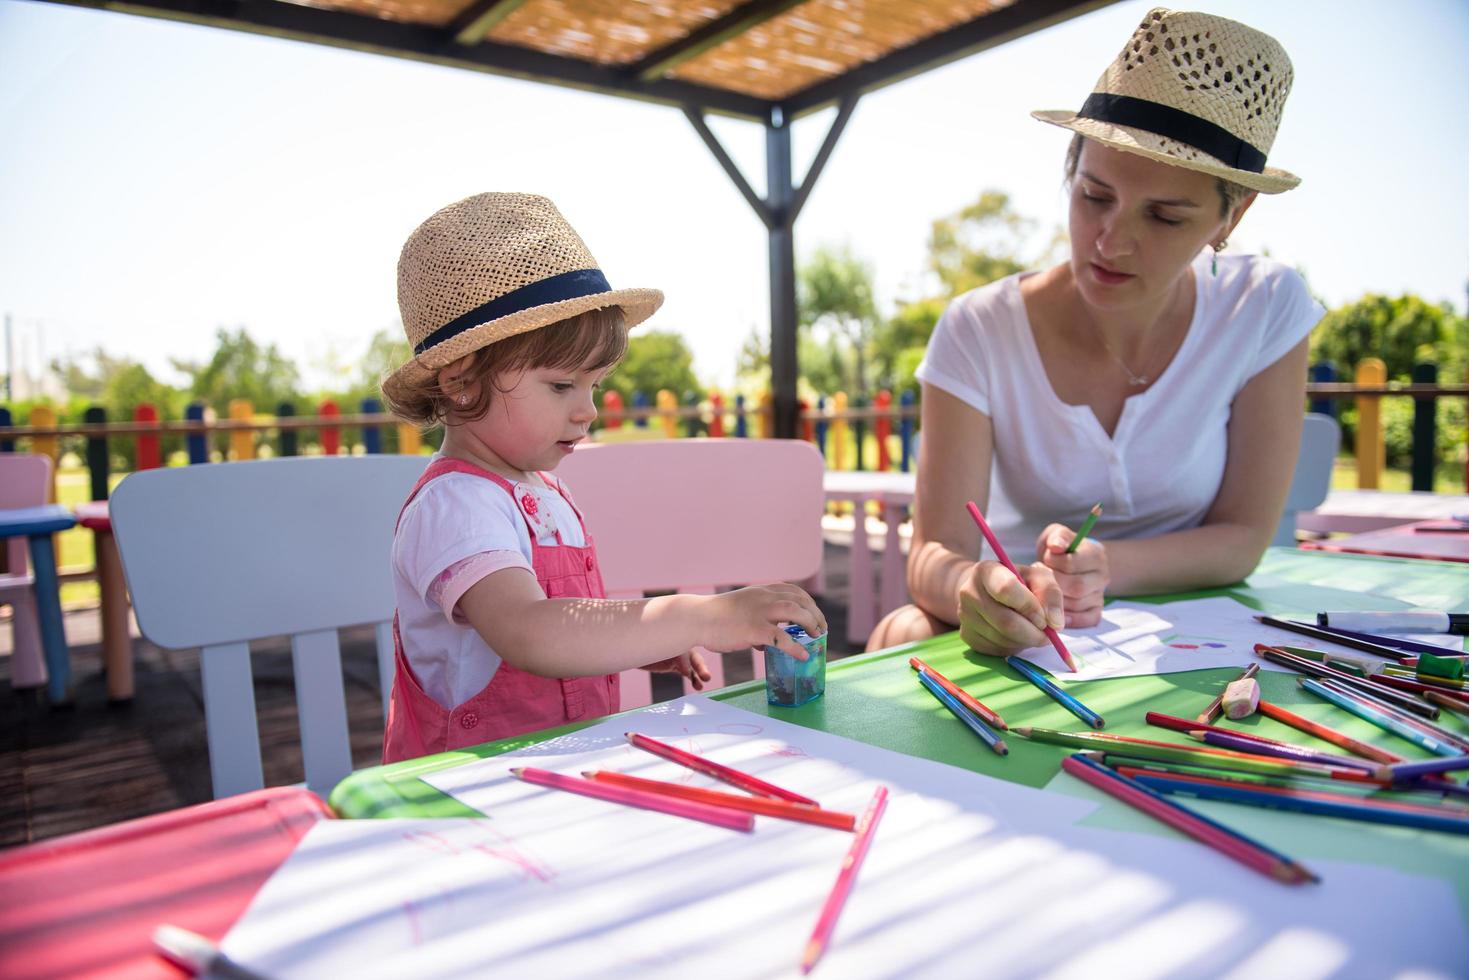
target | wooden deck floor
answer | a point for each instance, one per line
(92, 764)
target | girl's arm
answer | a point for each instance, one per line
(1264, 441)
(586, 637)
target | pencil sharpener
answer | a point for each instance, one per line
(790, 682)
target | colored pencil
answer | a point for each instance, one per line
(1300, 800)
(1327, 734)
(826, 922)
(1421, 688)
(963, 714)
(1401, 698)
(1031, 673)
(1386, 723)
(1186, 725)
(1305, 629)
(1228, 842)
(987, 714)
(1217, 705)
(719, 816)
(1407, 674)
(761, 805)
(1085, 529)
(1191, 755)
(999, 551)
(1228, 740)
(1448, 701)
(714, 770)
(1412, 770)
(1340, 661)
(198, 955)
(1392, 711)
(1396, 642)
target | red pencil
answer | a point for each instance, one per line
(719, 816)
(763, 805)
(1227, 842)
(973, 704)
(713, 769)
(1217, 705)
(1186, 725)
(827, 921)
(999, 551)
(1352, 745)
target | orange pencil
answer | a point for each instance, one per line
(999, 551)
(1352, 745)
(826, 923)
(719, 816)
(714, 770)
(973, 704)
(763, 805)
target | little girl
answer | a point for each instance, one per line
(502, 624)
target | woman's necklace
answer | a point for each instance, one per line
(1136, 380)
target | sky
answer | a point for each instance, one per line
(159, 181)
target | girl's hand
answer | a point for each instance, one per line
(751, 617)
(1083, 577)
(690, 665)
(1000, 614)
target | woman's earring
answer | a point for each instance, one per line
(1214, 262)
(463, 399)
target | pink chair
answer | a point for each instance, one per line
(24, 482)
(694, 515)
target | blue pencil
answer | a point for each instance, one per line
(963, 714)
(1329, 808)
(1410, 770)
(1028, 670)
(1385, 722)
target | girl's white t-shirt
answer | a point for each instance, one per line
(457, 530)
(1162, 467)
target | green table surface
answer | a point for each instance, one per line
(875, 698)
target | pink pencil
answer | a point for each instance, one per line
(999, 551)
(720, 817)
(708, 767)
(846, 878)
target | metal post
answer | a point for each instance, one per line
(779, 195)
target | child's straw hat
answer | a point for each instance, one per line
(493, 266)
(1196, 91)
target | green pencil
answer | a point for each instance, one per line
(1086, 528)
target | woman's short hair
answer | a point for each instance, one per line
(594, 341)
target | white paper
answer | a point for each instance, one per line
(1193, 634)
(967, 875)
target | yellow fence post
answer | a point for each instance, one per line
(44, 417)
(242, 441)
(838, 431)
(410, 440)
(1371, 451)
(668, 413)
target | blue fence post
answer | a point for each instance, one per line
(197, 442)
(741, 427)
(640, 400)
(6, 422)
(1323, 373)
(1425, 429)
(905, 429)
(287, 410)
(859, 428)
(372, 436)
(821, 425)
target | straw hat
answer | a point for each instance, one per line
(493, 266)
(1196, 91)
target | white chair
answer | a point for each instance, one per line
(692, 515)
(220, 554)
(1320, 438)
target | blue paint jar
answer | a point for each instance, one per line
(790, 682)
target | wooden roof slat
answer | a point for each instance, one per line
(711, 35)
(471, 26)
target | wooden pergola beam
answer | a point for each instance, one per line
(711, 35)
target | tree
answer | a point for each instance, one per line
(655, 360)
(241, 368)
(1403, 331)
(983, 242)
(834, 292)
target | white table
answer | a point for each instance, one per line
(1354, 511)
(868, 602)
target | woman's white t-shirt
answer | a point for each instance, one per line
(1161, 468)
(457, 530)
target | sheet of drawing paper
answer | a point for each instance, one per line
(967, 875)
(1192, 634)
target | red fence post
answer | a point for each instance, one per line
(150, 457)
(883, 427)
(331, 436)
(716, 415)
(612, 405)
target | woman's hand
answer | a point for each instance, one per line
(1000, 614)
(690, 665)
(751, 617)
(1083, 577)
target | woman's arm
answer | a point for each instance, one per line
(586, 637)
(1264, 441)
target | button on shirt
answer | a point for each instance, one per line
(1162, 467)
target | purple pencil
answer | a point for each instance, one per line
(1226, 740)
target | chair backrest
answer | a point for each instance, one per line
(1320, 439)
(693, 515)
(25, 481)
(221, 554)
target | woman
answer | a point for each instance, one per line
(1148, 372)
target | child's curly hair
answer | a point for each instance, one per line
(594, 340)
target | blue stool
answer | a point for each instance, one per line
(38, 524)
